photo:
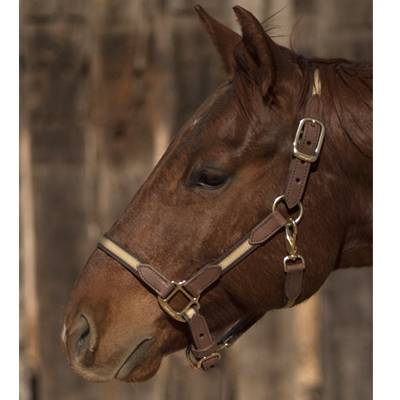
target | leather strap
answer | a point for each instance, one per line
(204, 348)
(307, 144)
(235, 330)
(201, 334)
(116, 251)
(267, 228)
(294, 282)
(144, 272)
(258, 236)
(151, 277)
(203, 279)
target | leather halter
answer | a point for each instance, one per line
(205, 351)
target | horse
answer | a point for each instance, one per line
(218, 217)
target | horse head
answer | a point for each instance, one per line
(218, 178)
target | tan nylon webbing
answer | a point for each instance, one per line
(235, 254)
(134, 262)
(127, 258)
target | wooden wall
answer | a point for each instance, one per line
(104, 85)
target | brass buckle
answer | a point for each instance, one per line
(198, 364)
(178, 314)
(303, 156)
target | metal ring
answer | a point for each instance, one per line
(300, 205)
(178, 315)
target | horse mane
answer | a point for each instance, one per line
(347, 91)
(349, 86)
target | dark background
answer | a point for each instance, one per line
(104, 86)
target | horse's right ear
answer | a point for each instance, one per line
(224, 39)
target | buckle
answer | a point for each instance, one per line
(303, 156)
(198, 364)
(178, 314)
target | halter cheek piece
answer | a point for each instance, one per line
(205, 351)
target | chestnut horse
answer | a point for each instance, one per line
(216, 181)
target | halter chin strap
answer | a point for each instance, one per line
(205, 351)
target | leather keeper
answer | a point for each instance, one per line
(161, 285)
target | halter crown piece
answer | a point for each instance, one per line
(204, 352)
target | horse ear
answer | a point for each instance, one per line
(257, 55)
(224, 39)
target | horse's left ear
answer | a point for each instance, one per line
(258, 53)
(224, 39)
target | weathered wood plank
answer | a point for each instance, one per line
(347, 335)
(54, 69)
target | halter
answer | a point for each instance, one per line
(204, 352)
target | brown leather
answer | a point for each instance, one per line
(294, 282)
(210, 362)
(203, 279)
(202, 338)
(267, 228)
(300, 169)
(161, 285)
(199, 353)
(257, 237)
(204, 344)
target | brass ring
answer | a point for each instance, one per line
(300, 205)
(198, 364)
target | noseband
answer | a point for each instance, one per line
(204, 352)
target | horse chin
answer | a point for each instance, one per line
(143, 372)
(142, 363)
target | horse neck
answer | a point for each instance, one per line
(346, 98)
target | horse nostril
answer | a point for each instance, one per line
(81, 341)
(83, 338)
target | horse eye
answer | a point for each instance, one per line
(209, 178)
